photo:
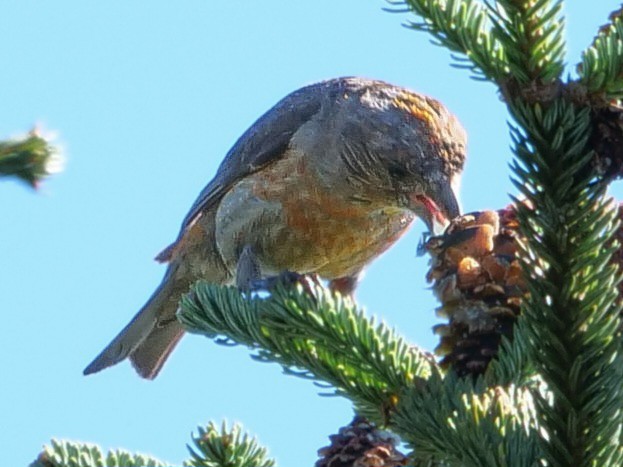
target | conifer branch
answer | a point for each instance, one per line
(469, 425)
(213, 447)
(325, 338)
(531, 33)
(29, 159)
(601, 68)
(512, 365)
(463, 27)
(72, 454)
(571, 319)
(321, 337)
(226, 447)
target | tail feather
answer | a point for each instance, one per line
(151, 334)
(150, 355)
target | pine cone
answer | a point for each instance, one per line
(607, 140)
(360, 444)
(477, 278)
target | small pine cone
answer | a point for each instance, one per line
(477, 278)
(360, 444)
(607, 140)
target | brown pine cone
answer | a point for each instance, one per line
(360, 444)
(477, 278)
(607, 140)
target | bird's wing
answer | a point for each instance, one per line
(264, 142)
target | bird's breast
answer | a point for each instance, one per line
(325, 227)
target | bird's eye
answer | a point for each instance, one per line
(397, 171)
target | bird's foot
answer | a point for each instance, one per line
(288, 278)
(250, 281)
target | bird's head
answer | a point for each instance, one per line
(398, 146)
(426, 163)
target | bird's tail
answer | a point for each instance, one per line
(151, 335)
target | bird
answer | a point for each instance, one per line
(321, 184)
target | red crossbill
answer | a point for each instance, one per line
(322, 184)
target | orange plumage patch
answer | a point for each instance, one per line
(326, 233)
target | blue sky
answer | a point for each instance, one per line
(147, 97)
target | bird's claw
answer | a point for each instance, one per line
(288, 278)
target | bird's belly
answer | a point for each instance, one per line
(336, 239)
(292, 223)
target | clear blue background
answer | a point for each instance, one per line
(147, 97)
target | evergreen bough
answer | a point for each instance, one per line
(29, 158)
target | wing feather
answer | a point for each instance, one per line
(264, 142)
